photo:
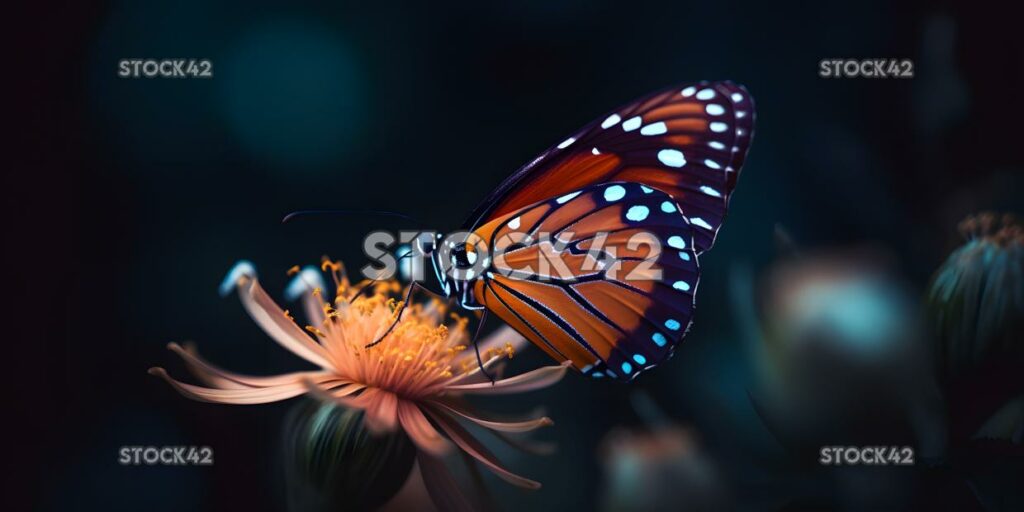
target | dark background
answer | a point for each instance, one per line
(129, 200)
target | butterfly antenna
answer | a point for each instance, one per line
(384, 213)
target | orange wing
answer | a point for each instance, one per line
(604, 277)
(688, 141)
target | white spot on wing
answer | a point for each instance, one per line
(712, 164)
(705, 94)
(672, 157)
(595, 151)
(716, 145)
(638, 213)
(654, 129)
(612, 120)
(689, 91)
(710, 191)
(697, 221)
(614, 193)
(567, 142)
(568, 197)
(718, 127)
(514, 223)
(677, 242)
(632, 123)
(714, 109)
(737, 97)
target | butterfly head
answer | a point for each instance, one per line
(455, 265)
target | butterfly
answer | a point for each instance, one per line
(591, 250)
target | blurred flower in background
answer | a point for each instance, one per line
(976, 307)
(976, 300)
(410, 382)
(840, 360)
(842, 336)
(663, 469)
(331, 458)
(659, 467)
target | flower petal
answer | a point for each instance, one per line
(242, 396)
(502, 426)
(382, 414)
(527, 445)
(419, 429)
(340, 395)
(441, 485)
(243, 269)
(381, 407)
(273, 321)
(465, 440)
(301, 287)
(223, 379)
(529, 381)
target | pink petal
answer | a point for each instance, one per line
(301, 287)
(529, 381)
(272, 320)
(382, 413)
(242, 396)
(381, 407)
(223, 379)
(207, 377)
(340, 395)
(465, 440)
(527, 445)
(441, 485)
(502, 426)
(419, 429)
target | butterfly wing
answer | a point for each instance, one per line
(688, 141)
(603, 277)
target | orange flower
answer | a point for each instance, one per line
(414, 379)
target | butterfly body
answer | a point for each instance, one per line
(591, 250)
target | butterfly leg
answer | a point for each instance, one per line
(476, 347)
(398, 317)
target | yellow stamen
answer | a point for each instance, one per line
(294, 270)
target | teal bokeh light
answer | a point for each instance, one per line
(292, 94)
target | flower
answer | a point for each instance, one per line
(332, 462)
(976, 299)
(976, 307)
(839, 329)
(660, 468)
(413, 380)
